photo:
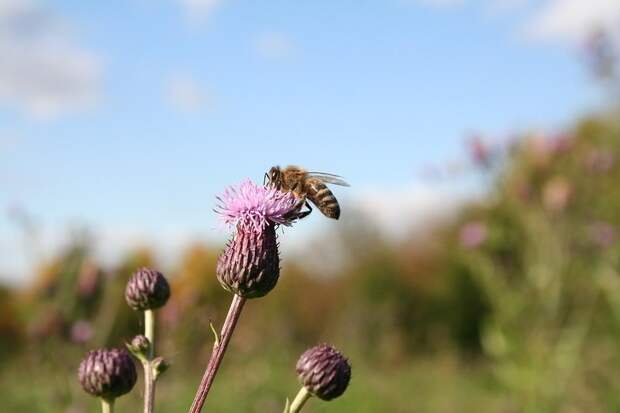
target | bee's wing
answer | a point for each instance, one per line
(328, 178)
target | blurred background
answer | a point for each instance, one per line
(475, 267)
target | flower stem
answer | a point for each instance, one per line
(301, 398)
(149, 330)
(107, 406)
(218, 353)
(149, 374)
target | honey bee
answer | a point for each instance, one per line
(307, 186)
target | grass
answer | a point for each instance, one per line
(261, 384)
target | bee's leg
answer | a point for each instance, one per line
(305, 213)
(266, 179)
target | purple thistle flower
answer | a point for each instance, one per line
(250, 264)
(248, 206)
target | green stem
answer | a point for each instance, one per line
(149, 374)
(107, 406)
(301, 398)
(149, 330)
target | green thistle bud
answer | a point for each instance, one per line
(107, 373)
(139, 346)
(147, 289)
(159, 366)
(324, 372)
(250, 264)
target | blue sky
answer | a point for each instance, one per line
(130, 116)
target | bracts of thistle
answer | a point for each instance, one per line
(323, 372)
(146, 291)
(107, 374)
(249, 267)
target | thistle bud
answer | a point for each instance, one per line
(250, 264)
(159, 366)
(139, 346)
(147, 289)
(324, 372)
(107, 373)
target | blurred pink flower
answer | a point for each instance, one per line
(539, 150)
(473, 234)
(81, 332)
(248, 206)
(556, 194)
(542, 148)
(602, 234)
(89, 280)
(560, 143)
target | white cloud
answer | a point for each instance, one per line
(185, 94)
(573, 20)
(273, 45)
(566, 21)
(402, 210)
(42, 72)
(200, 10)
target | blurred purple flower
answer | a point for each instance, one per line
(248, 206)
(81, 332)
(600, 160)
(479, 151)
(473, 234)
(561, 143)
(602, 234)
(89, 280)
(601, 55)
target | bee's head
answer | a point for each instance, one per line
(274, 177)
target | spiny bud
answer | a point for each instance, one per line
(147, 289)
(107, 373)
(139, 346)
(324, 372)
(250, 264)
(159, 366)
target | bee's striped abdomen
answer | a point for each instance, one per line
(323, 198)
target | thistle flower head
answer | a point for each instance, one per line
(107, 373)
(248, 206)
(250, 264)
(147, 289)
(324, 371)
